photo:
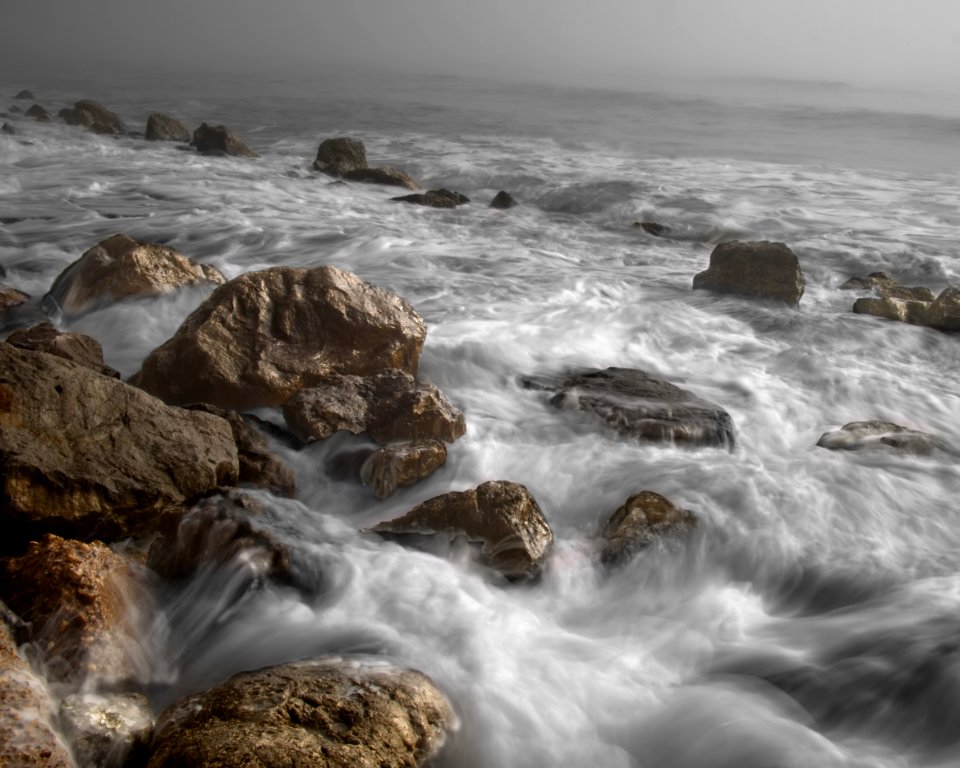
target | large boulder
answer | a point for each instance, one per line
(220, 140)
(859, 435)
(392, 177)
(87, 456)
(76, 597)
(121, 267)
(390, 406)
(401, 464)
(639, 521)
(27, 736)
(638, 405)
(434, 198)
(887, 287)
(161, 127)
(266, 335)
(757, 269)
(339, 156)
(108, 730)
(38, 113)
(81, 349)
(324, 712)
(503, 517)
(96, 118)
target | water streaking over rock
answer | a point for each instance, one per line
(804, 619)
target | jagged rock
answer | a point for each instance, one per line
(886, 287)
(265, 335)
(502, 516)
(398, 465)
(77, 598)
(11, 298)
(26, 95)
(96, 118)
(391, 405)
(9, 130)
(121, 267)
(944, 312)
(324, 712)
(220, 140)
(502, 200)
(38, 113)
(758, 269)
(858, 435)
(434, 198)
(638, 405)
(87, 456)
(27, 736)
(640, 520)
(341, 155)
(913, 312)
(77, 347)
(652, 228)
(389, 176)
(161, 127)
(108, 731)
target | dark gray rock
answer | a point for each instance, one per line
(218, 140)
(10, 131)
(161, 127)
(25, 95)
(502, 201)
(388, 176)
(652, 228)
(762, 270)
(435, 198)
(860, 435)
(38, 113)
(339, 156)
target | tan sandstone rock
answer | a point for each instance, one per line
(81, 349)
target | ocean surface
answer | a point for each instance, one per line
(814, 619)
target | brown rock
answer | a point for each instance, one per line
(888, 308)
(220, 140)
(97, 118)
(858, 435)
(390, 406)
(76, 596)
(10, 298)
(88, 456)
(161, 127)
(27, 738)
(38, 113)
(81, 349)
(121, 267)
(502, 516)
(325, 712)
(390, 176)
(944, 313)
(637, 405)
(265, 335)
(652, 228)
(502, 201)
(758, 269)
(434, 198)
(401, 464)
(108, 731)
(886, 287)
(341, 155)
(640, 520)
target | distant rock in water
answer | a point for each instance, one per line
(858, 435)
(762, 270)
(652, 228)
(220, 140)
(77, 347)
(640, 520)
(886, 287)
(120, 268)
(942, 314)
(435, 198)
(339, 156)
(96, 118)
(502, 201)
(327, 712)
(392, 177)
(638, 405)
(10, 131)
(161, 127)
(502, 516)
(38, 113)
(25, 95)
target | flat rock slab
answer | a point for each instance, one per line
(639, 521)
(762, 270)
(434, 198)
(324, 712)
(503, 517)
(264, 336)
(638, 405)
(860, 435)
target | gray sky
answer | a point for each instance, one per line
(881, 41)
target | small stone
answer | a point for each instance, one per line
(652, 228)
(502, 201)
(25, 95)
(641, 519)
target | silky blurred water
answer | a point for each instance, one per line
(813, 618)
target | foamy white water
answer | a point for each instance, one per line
(812, 620)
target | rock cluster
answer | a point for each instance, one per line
(942, 313)
(346, 158)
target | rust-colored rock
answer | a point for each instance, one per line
(762, 270)
(266, 335)
(339, 156)
(87, 456)
(641, 519)
(77, 347)
(96, 118)
(887, 287)
(392, 177)
(502, 516)
(77, 598)
(324, 712)
(434, 198)
(161, 127)
(859, 435)
(390, 406)
(398, 465)
(220, 140)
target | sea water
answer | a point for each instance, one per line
(814, 618)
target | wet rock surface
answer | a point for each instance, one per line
(161, 127)
(942, 314)
(860, 435)
(38, 113)
(398, 465)
(220, 140)
(639, 521)
(392, 177)
(763, 269)
(96, 118)
(107, 731)
(338, 156)
(76, 347)
(435, 198)
(887, 287)
(652, 228)
(502, 201)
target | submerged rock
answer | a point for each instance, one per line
(38, 113)
(435, 198)
(121, 267)
(502, 201)
(638, 405)
(108, 731)
(398, 465)
(763, 270)
(640, 520)
(325, 712)
(390, 405)
(96, 118)
(886, 287)
(652, 228)
(858, 435)
(9, 130)
(502, 516)
(85, 455)
(11, 298)
(266, 335)
(161, 127)
(220, 140)
(389, 176)
(942, 314)
(77, 347)
(339, 156)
